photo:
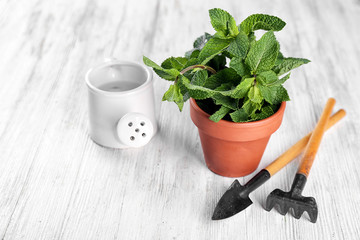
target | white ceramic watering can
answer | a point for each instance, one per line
(121, 104)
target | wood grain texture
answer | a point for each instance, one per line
(55, 183)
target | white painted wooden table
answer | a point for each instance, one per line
(55, 183)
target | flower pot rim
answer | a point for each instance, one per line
(226, 123)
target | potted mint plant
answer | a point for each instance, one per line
(235, 85)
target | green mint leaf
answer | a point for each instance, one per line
(261, 21)
(201, 41)
(239, 115)
(255, 95)
(227, 54)
(263, 53)
(279, 59)
(288, 64)
(270, 78)
(225, 101)
(191, 62)
(282, 94)
(265, 112)
(165, 75)
(224, 76)
(267, 78)
(239, 45)
(173, 94)
(283, 79)
(224, 87)
(177, 63)
(221, 35)
(168, 74)
(212, 48)
(198, 45)
(219, 114)
(251, 107)
(199, 78)
(186, 96)
(196, 92)
(201, 92)
(223, 22)
(242, 89)
(240, 67)
(252, 38)
(193, 53)
(269, 93)
(274, 94)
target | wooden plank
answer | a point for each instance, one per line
(57, 184)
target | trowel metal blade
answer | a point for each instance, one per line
(231, 203)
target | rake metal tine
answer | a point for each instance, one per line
(297, 212)
(270, 202)
(313, 215)
(272, 199)
(283, 209)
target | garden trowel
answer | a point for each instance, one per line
(236, 198)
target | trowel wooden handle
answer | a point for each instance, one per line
(298, 147)
(315, 139)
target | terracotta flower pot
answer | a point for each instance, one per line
(234, 149)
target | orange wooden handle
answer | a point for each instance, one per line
(315, 139)
(298, 147)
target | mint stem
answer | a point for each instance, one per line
(210, 69)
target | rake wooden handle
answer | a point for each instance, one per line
(315, 139)
(298, 147)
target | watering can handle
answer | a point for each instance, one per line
(298, 147)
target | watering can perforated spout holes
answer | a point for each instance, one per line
(121, 104)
